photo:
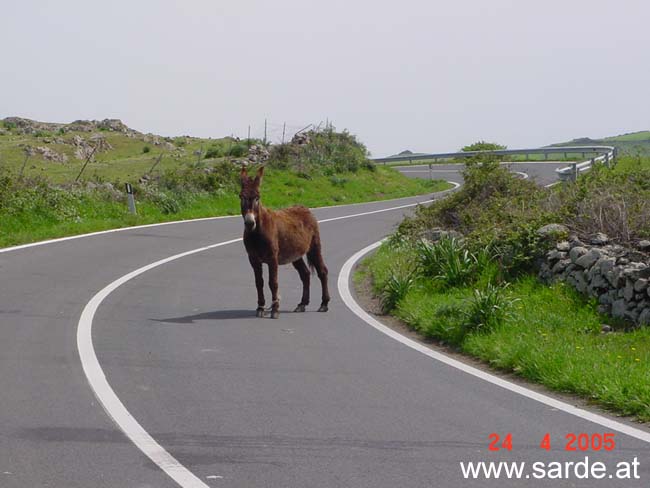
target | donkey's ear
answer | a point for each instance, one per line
(260, 174)
(244, 174)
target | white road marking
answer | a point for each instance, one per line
(346, 295)
(105, 393)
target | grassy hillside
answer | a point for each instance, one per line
(122, 153)
(631, 144)
(196, 177)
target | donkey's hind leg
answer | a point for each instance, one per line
(304, 273)
(315, 258)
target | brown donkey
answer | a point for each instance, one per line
(280, 237)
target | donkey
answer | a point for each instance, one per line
(280, 237)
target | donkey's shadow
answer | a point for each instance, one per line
(215, 315)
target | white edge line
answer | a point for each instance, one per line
(122, 229)
(346, 295)
(107, 396)
(109, 399)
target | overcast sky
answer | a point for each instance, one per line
(418, 75)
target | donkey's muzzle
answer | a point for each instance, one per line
(249, 221)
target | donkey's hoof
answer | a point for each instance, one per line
(300, 308)
(259, 312)
(323, 308)
(275, 314)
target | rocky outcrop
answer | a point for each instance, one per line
(51, 155)
(28, 126)
(617, 277)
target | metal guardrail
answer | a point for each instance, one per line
(571, 172)
(605, 154)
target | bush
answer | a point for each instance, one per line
(488, 308)
(483, 146)
(146, 149)
(326, 152)
(396, 287)
(214, 152)
(449, 261)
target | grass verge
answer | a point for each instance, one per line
(548, 334)
(57, 213)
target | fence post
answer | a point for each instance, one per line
(129, 198)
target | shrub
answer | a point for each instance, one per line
(146, 149)
(395, 288)
(488, 308)
(483, 146)
(214, 152)
(326, 152)
(447, 261)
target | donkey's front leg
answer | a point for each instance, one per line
(273, 284)
(259, 284)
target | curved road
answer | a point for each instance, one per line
(309, 400)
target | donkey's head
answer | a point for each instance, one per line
(250, 197)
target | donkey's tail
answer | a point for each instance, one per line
(314, 253)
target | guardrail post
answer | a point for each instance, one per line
(574, 171)
(129, 198)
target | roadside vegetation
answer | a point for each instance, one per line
(173, 179)
(463, 272)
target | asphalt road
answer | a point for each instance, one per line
(309, 400)
(541, 172)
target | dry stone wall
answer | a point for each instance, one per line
(618, 277)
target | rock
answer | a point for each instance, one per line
(588, 259)
(553, 230)
(632, 315)
(640, 284)
(563, 246)
(644, 317)
(51, 155)
(605, 299)
(604, 328)
(576, 252)
(554, 255)
(628, 292)
(560, 266)
(644, 245)
(619, 308)
(599, 239)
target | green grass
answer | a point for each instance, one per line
(633, 143)
(642, 135)
(552, 336)
(125, 161)
(88, 213)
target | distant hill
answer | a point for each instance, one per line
(630, 143)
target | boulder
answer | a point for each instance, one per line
(587, 260)
(641, 284)
(644, 245)
(553, 230)
(599, 239)
(563, 246)
(577, 252)
(619, 308)
(644, 317)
